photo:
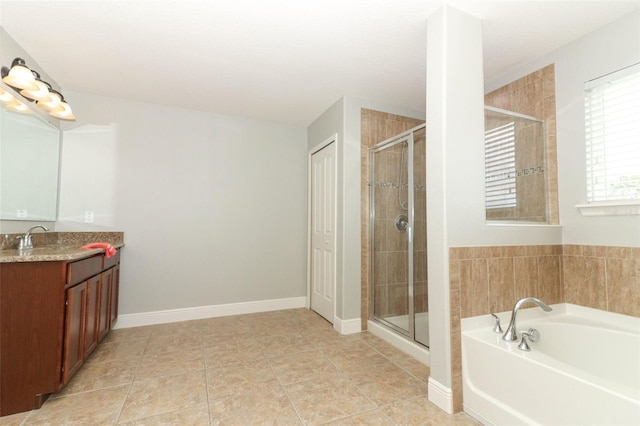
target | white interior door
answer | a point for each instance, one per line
(323, 236)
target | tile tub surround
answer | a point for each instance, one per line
(285, 367)
(492, 279)
(600, 277)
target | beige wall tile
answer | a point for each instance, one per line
(506, 251)
(623, 286)
(550, 288)
(501, 284)
(454, 274)
(456, 355)
(629, 253)
(456, 384)
(584, 281)
(500, 98)
(544, 250)
(454, 304)
(572, 250)
(474, 288)
(526, 277)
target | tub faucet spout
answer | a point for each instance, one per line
(510, 335)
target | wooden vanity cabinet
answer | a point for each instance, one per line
(52, 316)
(74, 330)
(32, 313)
(89, 309)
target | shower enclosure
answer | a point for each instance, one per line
(398, 214)
(515, 167)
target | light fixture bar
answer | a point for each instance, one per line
(29, 84)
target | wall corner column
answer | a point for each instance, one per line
(454, 99)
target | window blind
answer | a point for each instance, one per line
(500, 167)
(612, 129)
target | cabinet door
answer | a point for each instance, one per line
(115, 289)
(104, 319)
(74, 330)
(94, 285)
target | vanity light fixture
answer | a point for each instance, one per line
(62, 111)
(57, 106)
(33, 88)
(52, 104)
(42, 94)
(5, 97)
(12, 104)
(17, 106)
(20, 76)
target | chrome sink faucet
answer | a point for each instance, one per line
(510, 335)
(25, 240)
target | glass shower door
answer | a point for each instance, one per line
(392, 218)
(398, 235)
(420, 291)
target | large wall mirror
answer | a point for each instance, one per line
(29, 157)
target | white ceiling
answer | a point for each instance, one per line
(280, 60)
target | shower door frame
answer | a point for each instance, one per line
(404, 137)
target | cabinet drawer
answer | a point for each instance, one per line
(83, 269)
(111, 261)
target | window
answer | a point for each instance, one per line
(500, 166)
(612, 120)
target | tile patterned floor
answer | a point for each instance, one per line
(285, 367)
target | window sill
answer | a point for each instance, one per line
(612, 208)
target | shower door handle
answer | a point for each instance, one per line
(409, 234)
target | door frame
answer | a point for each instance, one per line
(325, 143)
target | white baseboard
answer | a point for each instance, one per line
(212, 311)
(350, 326)
(440, 395)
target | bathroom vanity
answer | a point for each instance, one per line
(56, 305)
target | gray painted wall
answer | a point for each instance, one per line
(213, 207)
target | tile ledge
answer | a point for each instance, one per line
(521, 224)
(611, 208)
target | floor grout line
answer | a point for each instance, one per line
(284, 342)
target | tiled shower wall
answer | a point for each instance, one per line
(492, 279)
(534, 95)
(375, 127)
(529, 167)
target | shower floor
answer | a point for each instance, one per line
(421, 325)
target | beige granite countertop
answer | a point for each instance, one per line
(58, 246)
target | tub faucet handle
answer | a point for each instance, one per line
(533, 335)
(497, 328)
(524, 346)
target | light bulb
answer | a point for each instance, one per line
(5, 97)
(21, 77)
(65, 114)
(42, 94)
(17, 106)
(53, 105)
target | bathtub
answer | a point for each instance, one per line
(584, 370)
